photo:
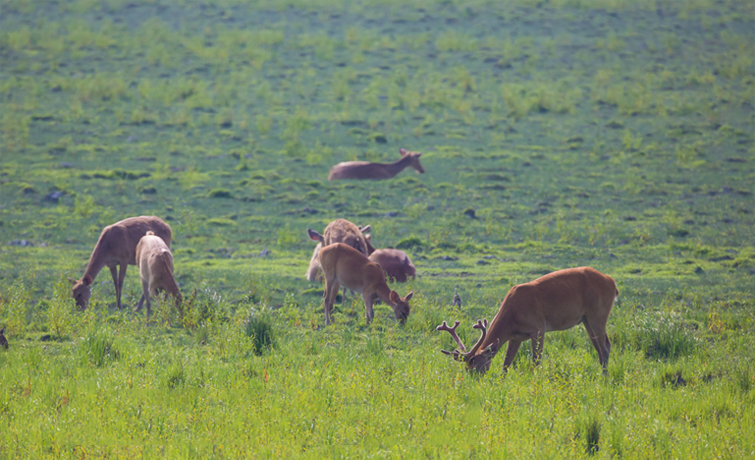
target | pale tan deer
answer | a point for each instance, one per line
(344, 265)
(155, 270)
(117, 246)
(338, 231)
(554, 302)
(367, 170)
(395, 264)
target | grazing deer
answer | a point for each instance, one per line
(554, 302)
(117, 246)
(395, 264)
(342, 264)
(367, 170)
(338, 231)
(155, 269)
(3, 340)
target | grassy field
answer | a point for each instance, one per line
(560, 133)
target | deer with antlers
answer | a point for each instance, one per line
(343, 264)
(555, 302)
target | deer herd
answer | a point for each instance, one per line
(344, 256)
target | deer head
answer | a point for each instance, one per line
(402, 308)
(413, 158)
(479, 362)
(82, 291)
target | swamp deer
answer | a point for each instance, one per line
(367, 170)
(117, 246)
(338, 231)
(395, 264)
(554, 302)
(155, 269)
(3, 340)
(344, 265)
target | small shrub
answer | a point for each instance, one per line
(219, 193)
(589, 429)
(99, 348)
(176, 376)
(660, 335)
(410, 242)
(260, 330)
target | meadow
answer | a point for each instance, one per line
(554, 134)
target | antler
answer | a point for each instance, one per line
(483, 326)
(452, 331)
(463, 354)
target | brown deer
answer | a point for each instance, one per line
(395, 263)
(155, 269)
(3, 340)
(117, 246)
(555, 302)
(338, 231)
(367, 170)
(344, 265)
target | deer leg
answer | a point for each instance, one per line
(119, 290)
(141, 300)
(331, 291)
(368, 312)
(597, 342)
(146, 296)
(114, 272)
(511, 350)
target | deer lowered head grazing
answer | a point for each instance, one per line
(155, 269)
(338, 231)
(344, 265)
(117, 246)
(555, 302)
(368, 170)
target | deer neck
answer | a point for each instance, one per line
(95, 265)
(398, 166)
(384, 293)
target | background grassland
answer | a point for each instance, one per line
(554, 134)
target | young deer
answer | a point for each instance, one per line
(338, 231)
(367, 170)
(344, 265)
(117, 246)
(554, 302)
(155, 269)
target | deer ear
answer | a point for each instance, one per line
(409, 296)
(368, 237)
(87, 280)
(73, 281)
(394, 297)
(314, 236)
(2, 330)
(402, 151)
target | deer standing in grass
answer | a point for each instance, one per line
(367, 170)
(117, 246)
(555, 302)
(3, 340)
(395, 264)
(344, 265)
(338, 231)
(155, 269)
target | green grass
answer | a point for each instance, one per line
(613, 134)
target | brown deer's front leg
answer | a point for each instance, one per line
(119, 288)
(511, 350)
(369, 314)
